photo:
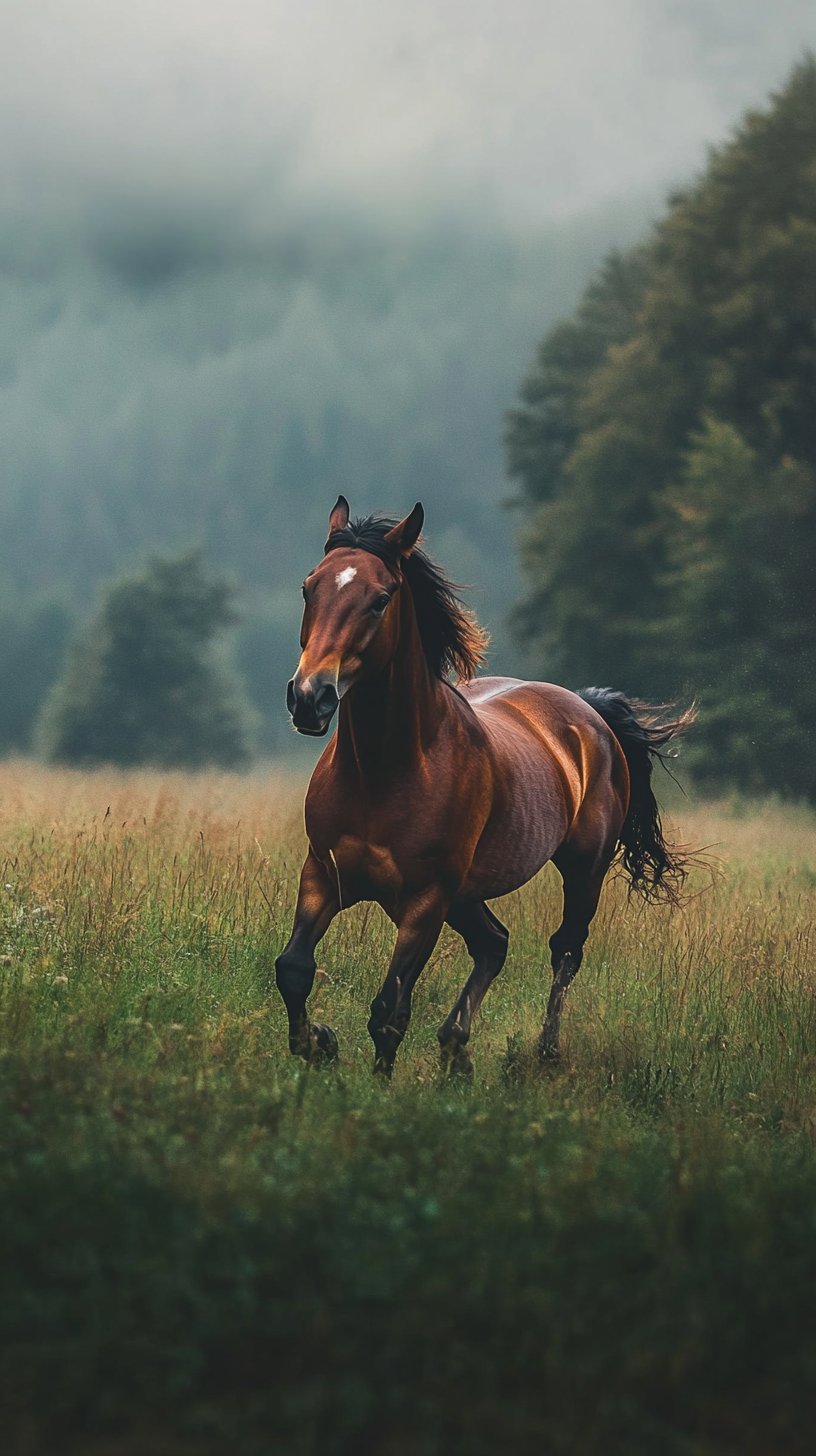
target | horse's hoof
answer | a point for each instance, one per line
(549, 1055)
(524, 1062)
(383, 1068)
(456, 1063)
(324, 1042)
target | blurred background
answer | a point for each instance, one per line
(482, 255)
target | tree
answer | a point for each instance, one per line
(145, 683)
(745, 605)
(573, 462)
(667, 432)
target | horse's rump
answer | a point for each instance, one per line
(557, 765)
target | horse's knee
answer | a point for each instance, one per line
(294, 975)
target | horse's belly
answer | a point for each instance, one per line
(529, 823)
(505, 862)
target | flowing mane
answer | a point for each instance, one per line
(452, 640)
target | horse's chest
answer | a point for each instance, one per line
(368, 870)
(387, 852)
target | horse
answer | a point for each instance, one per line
(435, 796)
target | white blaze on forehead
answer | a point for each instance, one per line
(345, 576)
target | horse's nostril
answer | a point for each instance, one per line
(311, 710)
(326, 699)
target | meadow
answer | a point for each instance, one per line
(206, 1245)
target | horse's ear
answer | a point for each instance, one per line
(339, 518)
(406, 534)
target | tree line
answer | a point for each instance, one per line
(664, 451)
(225, 399)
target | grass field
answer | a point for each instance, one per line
(207, 1247)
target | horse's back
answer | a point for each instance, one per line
(546, 710)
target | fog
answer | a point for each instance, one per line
(253, 255)
(536, 111)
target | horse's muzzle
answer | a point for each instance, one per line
(312, 707)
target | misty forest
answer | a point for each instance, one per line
(170, 385)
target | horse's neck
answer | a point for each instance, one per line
(388, 721)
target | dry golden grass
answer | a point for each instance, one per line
(35, 797)
(210, 1246)
(126, 869)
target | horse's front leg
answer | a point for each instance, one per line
(317, 905)
(419, 925)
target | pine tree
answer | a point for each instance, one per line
(145, 684)
(674, 448)
(745, 607)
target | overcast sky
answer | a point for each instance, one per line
(540, 109)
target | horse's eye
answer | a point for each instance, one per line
(379, 606)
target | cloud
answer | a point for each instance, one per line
(242, 111)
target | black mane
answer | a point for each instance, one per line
(451, 637)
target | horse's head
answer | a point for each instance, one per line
(350, 622)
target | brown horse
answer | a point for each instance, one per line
(432, 798)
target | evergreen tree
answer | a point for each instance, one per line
(745, 607)
(544, 427)
(687, 441)
(145, 684)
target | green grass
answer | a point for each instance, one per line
(207, 1246)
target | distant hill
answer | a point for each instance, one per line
(164, 384)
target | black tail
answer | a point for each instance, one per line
(655, 868)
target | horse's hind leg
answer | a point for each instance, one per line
(583, 875)
(486, 939)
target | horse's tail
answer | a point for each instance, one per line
(656, 869)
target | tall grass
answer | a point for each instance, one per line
(208, 1243)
